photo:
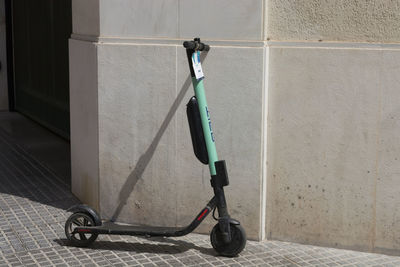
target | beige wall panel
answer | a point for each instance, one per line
(136, 90)
(388, 186)
(84, 121)
(221, 19)
(138, 18)
(86, 17)
(147, 164)
(333, 20)
(231, 90)
(322, 154)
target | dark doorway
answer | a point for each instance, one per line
(40, 33)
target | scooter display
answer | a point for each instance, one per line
(228, 237)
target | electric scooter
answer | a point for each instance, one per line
(228, 237)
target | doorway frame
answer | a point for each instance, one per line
(10, 55)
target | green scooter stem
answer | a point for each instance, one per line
(206, 123)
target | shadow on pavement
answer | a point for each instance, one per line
(169, 246)
(27, 179)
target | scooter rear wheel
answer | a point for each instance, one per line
(233, 248)
(79, 239)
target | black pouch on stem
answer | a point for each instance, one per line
(196, 130)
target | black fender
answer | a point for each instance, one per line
(224, 224)
(233, 221)
(88, 210)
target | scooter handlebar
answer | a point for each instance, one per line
(196, 45)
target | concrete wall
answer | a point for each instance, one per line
(3, 59)
(86, 17)
(142, 165)
(333, 20)
(218, 20)
(84, 121)
(333, 115)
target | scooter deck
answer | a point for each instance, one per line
(110, 228)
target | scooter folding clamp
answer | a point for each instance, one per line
(221, 178)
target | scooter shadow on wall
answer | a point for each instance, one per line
(145, 158)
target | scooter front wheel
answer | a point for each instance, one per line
(79, 239)
(233, 248)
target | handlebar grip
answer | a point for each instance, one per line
(203, 47)
(189, 44)
(196, 45)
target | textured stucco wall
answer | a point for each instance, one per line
(333, 20)
(3, 59)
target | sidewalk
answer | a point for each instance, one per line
(32, 216)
